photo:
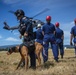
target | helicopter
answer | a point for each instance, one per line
(35, 22)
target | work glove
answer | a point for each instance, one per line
(6, 26)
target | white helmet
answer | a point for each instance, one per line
(39, 26)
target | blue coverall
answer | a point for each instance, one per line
(59, 40)
(49, 36)
(39, 36)
(73, 31)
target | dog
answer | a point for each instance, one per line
(24, 52)
(38, 50)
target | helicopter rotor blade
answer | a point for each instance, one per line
(11, 12)
(45, 10)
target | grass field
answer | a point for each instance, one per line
(65, 66)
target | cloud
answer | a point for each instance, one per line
(12, 39)
(0, 36)
(48, 3)
(66, 27)
(11, 1)
(66, 33)
(16, 33)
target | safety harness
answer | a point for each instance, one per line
(29, 44)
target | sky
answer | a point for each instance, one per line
(62, 11)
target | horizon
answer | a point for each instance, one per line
(19, 44)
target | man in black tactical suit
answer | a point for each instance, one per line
(26, 30)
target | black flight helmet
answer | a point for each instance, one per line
(19, 12)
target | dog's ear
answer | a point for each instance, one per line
(8, 53)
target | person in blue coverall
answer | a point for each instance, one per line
(39, 35)
(48, 31)
(73, 36)
(39, 41)
(59, 38)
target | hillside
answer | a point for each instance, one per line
(6, 46)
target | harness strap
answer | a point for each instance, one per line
(30, 45)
